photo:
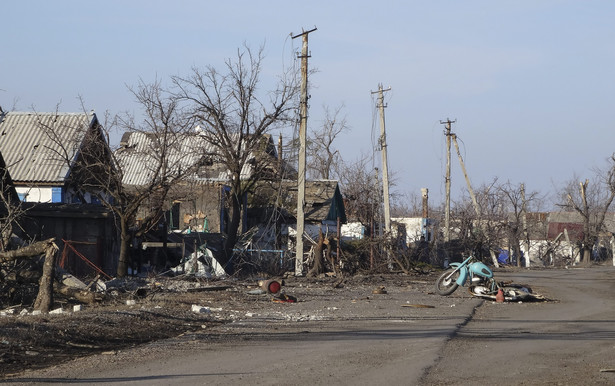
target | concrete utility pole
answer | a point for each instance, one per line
(526, 236)
(303, 107)
(385, 169)
(447, 208)
(425, 219)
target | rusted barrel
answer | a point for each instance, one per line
(272, 286)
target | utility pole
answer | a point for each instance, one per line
(447, 208)
(303, 107)
(425, 219)
(385, 169)
(526, 237)
(385, 172)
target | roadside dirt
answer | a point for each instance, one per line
(159, 308)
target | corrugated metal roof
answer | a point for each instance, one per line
(36, 146)
(323, 200)
(140, 154)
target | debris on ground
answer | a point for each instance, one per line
(510, 292)
(379, 291)
(136, 310)
(283, 298)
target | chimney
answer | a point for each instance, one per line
(424, 193)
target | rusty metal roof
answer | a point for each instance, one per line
(39, 147)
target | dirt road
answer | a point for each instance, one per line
(407, 335)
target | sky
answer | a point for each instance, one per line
(529, 83)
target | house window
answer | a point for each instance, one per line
(56, 195)
(173, 216)
(224, 211)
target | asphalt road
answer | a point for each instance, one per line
(463, 340)
(570, 341)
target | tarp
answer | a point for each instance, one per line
(503, 257)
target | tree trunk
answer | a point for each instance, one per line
(587, 252)
(31, 250)
(318, 266)
(122, 264)
(24, 276)
(329, 255)
(44, 299)
(83, 296)
(494, 258)
(232, 235)
(517, 252)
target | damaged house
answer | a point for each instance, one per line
(274, 209)
(555, 238)
(196, 210)
(43, 154)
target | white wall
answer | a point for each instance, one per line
(35, 194)
(539, 247)
(414, 228)
(353, 231)
(311, 230)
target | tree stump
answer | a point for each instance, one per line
(44, 299)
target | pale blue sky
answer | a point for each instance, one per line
(530, 82)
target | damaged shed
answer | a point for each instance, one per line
(277, 201)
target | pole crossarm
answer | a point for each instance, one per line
(302, 33)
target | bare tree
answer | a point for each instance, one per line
(360, 188)
(406, 205)
(517, 203)
(592, 202)
(233, 118)
(323, 157)
(161, 170)
(482, 230)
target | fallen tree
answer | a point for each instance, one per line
(46, 277)
(32, 250)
